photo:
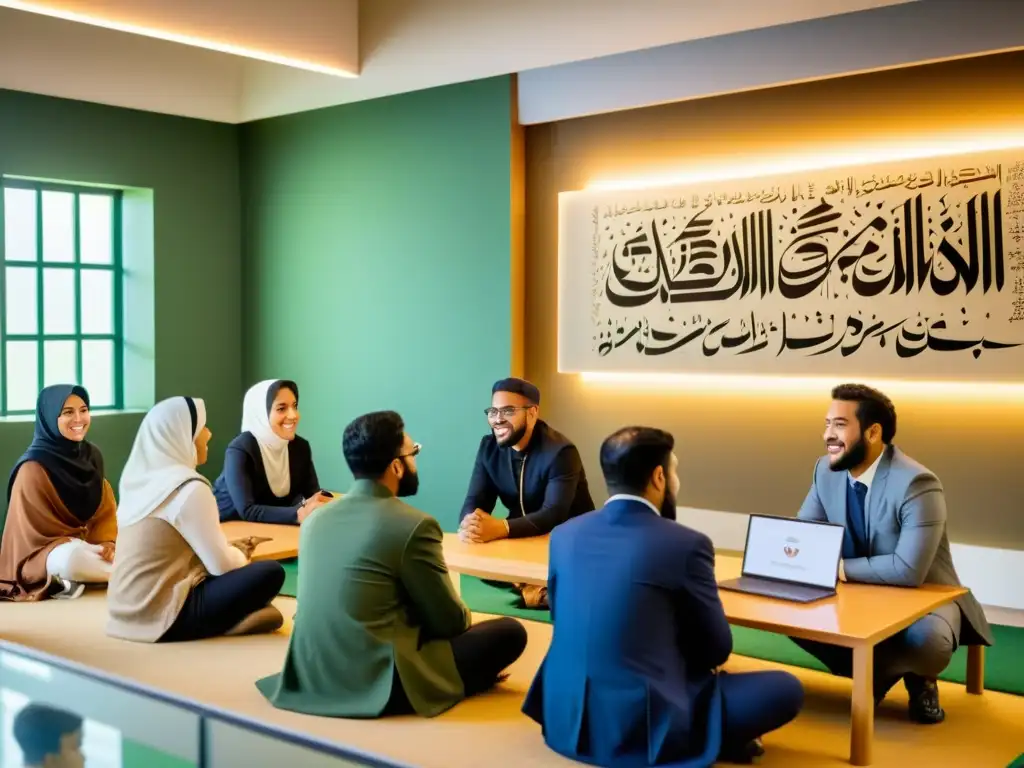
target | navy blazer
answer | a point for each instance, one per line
(639, 630)
(242, 490)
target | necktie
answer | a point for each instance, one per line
(855, 545)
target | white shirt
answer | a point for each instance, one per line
(631, 497)
(193, 513)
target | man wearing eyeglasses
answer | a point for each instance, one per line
(535, 471)
(381, 630)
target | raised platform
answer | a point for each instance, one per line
(979, 731)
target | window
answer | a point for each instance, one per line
(61, 318)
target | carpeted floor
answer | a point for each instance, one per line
(1004, 670)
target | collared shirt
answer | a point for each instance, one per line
(631, 497)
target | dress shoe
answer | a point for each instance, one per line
(924, 705)
(742, 754)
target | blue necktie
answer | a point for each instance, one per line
(855, 541)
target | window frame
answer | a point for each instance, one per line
(115, 268)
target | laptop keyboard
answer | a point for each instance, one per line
(779, 589)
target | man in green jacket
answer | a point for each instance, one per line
(379, 628)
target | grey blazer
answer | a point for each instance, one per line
(906, 531)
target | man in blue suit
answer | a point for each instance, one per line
(631, 677)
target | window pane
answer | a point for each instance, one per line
(98, 371)
(60, 360)
(58, 301)
(97, 301)
(21, 300)
(58, 226)
(22, 375)
(19, 224)
(96, 228)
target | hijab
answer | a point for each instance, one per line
(74, 468)
(273, 448)
(163, 458)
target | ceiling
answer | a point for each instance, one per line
(214, 65)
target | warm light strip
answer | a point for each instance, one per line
(174, 37)
(819, 161)
(757, 384)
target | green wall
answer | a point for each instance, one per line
(192, 168)
(377, 270)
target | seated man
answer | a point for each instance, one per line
(380, 629)
(535, 472)
(894, 511)
(631, 677)
(49, 737)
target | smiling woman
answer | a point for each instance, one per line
(268, 474)
(61, 520)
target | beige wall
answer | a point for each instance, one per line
(750, 450)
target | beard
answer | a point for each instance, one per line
(513, 437)
(852, 457)
(668, 505)
(409, 484)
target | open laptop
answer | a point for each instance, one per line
(790, 559)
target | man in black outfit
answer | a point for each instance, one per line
(535, 471)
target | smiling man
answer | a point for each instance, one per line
(535, 471)
(894, 512)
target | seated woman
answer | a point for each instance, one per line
(268, 472)
(176, 577)
(61, 514)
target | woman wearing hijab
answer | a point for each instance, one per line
(61, 514)
(268, 472)
(176, 577)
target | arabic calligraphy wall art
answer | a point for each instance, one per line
(909, 270)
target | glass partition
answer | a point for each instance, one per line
(51, 707)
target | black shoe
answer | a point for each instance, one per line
(60, 588)
(924, 700)
(742, 754)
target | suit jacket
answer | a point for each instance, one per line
(629, 678)
(375, 600)
(905, 522)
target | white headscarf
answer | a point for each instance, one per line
(162, 460)
(273, 448)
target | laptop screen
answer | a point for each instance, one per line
(793, 550)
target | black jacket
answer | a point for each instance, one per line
(243, 492)
(553, 482)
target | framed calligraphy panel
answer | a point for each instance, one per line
(907, 270)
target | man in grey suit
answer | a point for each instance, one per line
(894, 511)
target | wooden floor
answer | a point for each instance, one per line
(978, 732)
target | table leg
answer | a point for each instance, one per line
(456, 578)
(976, 669)
(862, 711)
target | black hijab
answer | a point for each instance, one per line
(75, 469)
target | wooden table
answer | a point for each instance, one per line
(859, 617)
(283, 544)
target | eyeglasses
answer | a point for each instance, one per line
(506, 413)
(416, 448)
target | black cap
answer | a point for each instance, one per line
(518, 387)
